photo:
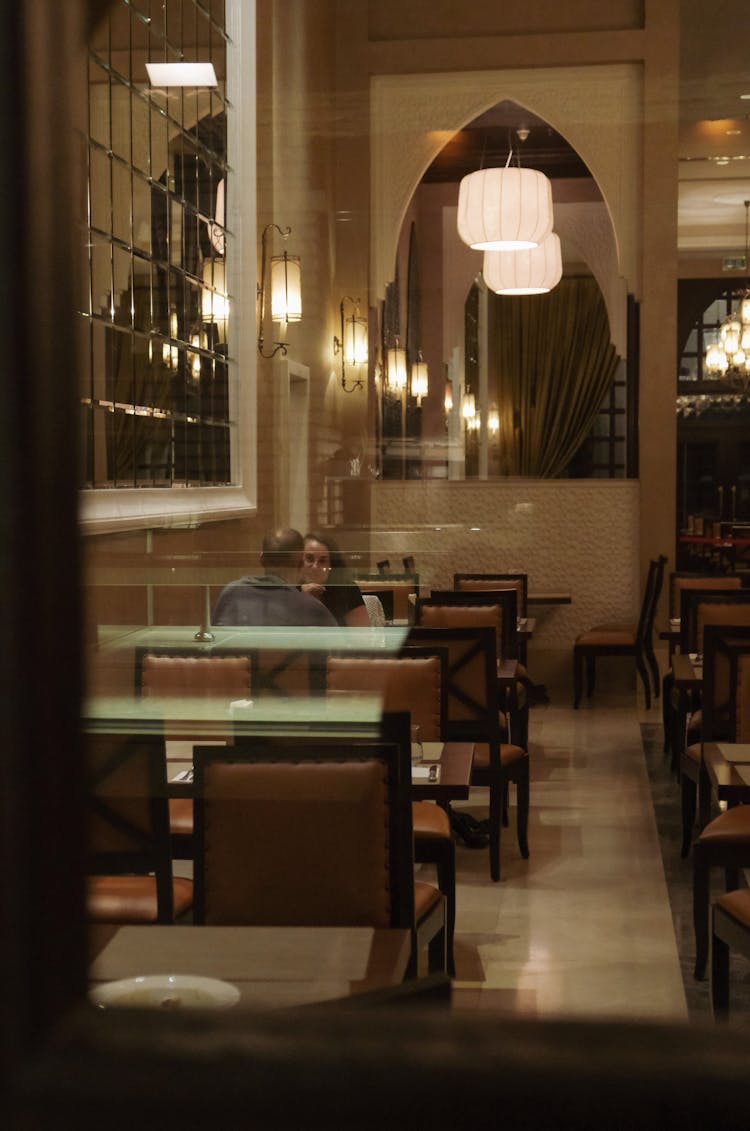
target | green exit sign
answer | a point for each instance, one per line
(737, 264)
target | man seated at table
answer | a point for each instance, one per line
(272, 598)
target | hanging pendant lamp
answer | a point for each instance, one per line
(506, 209)
(531, 271)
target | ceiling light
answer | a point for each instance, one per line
(504, 209)
(181, 74)
(528, 272)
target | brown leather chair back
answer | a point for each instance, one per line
(304, 832)
(678, 582)
(462, 616)
(719, 612)
(412, 685)
(195, 676)
(463, 583)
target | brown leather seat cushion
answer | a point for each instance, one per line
(604, 634)
(425, 898)
(733, 825)
(430, 820)
(694, 752)
(131, 899)
(736, 904)
(181, 816)
(508, 753)
(194, 675)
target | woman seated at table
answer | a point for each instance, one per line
(324, 575)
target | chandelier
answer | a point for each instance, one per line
(729, 357)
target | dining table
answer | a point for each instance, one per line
(271, 967)
(727, 769)
(441, 771)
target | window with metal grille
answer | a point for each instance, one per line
(155, 403)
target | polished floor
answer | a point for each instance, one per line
(584, 926)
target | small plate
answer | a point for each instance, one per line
(165, 991)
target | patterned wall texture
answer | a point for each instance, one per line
(574, 536)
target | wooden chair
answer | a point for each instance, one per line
(129, 858)
(720, 720)
(413, 682)
(173, 674)
(496, 607)
(698, 608)
(730, 930)
(472, 582)
(622, 640)
(313, 832)
(472, 716)
(725, 841)
(679, 582)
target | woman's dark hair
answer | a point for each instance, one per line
(337, 558)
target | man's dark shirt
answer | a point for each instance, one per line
(268, 601)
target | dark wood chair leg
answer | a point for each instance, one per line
(642, 672)
(688, 792)
(577, 676)
(446, 875)
(436, 953)
(522, 813)
(666, 710)
(590, 674)
(496, 807)
(654, 666)
(701, 896)
(719, 977)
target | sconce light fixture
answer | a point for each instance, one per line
(493, 421)
(468, 407)
(352, 345)
(396, 368)
(420, 386)
(286, 289)
(448, 397)
(214, 299)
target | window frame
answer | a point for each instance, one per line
(109, 509)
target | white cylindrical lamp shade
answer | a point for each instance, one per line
(504, 208)
(355, 341)
(286, 288)
(532, 271)
(397, 369)
(419, 381)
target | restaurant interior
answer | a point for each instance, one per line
(462, 295)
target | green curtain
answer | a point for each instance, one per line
(553, 363)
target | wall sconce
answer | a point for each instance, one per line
(396, 368)
(448, 396)
(214, 299)
(420, 386)
(286, 289)
(352, 345)
(493, 421)
(468, 407)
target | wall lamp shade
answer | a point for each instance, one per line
(214, 298)
(353, 343)
(531, 271)
(448, 395)
(507, 208)
(285, 279)
(396, 369)
(420, 385)
(286, 288)
(468, 407)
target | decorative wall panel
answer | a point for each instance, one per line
(573, 536)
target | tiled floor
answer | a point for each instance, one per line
(582, 928)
